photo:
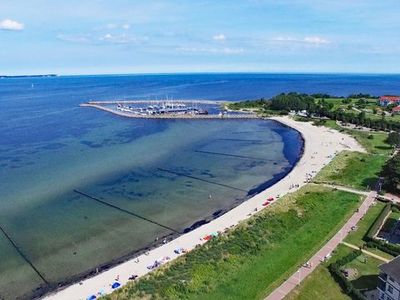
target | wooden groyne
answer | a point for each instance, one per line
(99, 105)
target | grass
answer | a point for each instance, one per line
(357, 170)
(320, 284)
(367, 272)
(356, 237)
(257, 256)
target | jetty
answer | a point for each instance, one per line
(158, 109)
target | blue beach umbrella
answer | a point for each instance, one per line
(115, 285)
(91, 297)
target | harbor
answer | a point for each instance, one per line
(155, 109)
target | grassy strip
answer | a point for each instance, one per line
(254, 258)
(320, 284)
(379, 221)
(357, 170)
(357, 237)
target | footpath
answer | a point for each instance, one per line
(324, 253)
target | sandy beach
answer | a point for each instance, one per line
(321, 146)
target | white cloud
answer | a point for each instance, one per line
(225, 50)
(11, 25)
(108, 38)
(122, 39)
(219, 37)
(74, 38)
(310, 40)
(315, 40)
(125, 26)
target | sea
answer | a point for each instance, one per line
(82, 189)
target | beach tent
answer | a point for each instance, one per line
(115, 285)
(91, 297)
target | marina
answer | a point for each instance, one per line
(155, 109)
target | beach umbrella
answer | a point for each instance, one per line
(115, 285)
(91, 297)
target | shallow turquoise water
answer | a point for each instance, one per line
(164, 171)
(166, 176)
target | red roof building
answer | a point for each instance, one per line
(387, 100)
(396, 110)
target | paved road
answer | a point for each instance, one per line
(323, 253)
(391, 197)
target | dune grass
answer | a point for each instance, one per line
(253, 259)
(357, 170)
(353, 169)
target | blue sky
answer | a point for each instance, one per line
(132, 36)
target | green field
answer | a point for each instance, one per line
(256, 257)
(320, 284)
(367, 271)
(357, 170)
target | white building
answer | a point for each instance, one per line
(389, 280)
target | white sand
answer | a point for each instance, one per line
(321, 145)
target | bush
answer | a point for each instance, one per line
(385, 247)
(345, 284)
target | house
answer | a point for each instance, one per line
(396, 110)
(387, 100)
(389, 280)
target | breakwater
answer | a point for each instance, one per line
(102, 106)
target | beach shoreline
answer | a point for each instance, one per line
(320, 145)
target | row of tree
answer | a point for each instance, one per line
(322, 108)
(391, 173)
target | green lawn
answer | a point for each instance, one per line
(320, 284)
(356, 237)
(256, 257)
(367, 272)
(357, 170)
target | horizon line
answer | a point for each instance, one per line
(201, 73)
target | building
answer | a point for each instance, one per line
(387, 100)
(389, 280)
(396, 110)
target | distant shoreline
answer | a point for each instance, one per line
(28, 76)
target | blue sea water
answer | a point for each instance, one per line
(53, 153)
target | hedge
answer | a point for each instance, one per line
(345, 284)
(378, 222)
(385, 247)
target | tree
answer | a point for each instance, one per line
(391, 173)
(394, 139)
